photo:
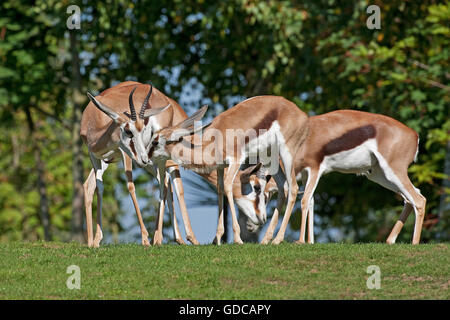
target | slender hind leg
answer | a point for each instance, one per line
(407, 208)
(397, 180)
(418, 202)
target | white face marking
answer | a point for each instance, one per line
(151, 127)
(247, 208)
(159, 149)
(131, 141)
(247, 201)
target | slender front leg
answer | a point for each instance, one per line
(313, 179)
(89, 189)
(176, 230)
(220, 224)
(158, 236)
(311, 221)
(128, 165)
(230, 174)
(292, 195)
(176, 178)
(282, 194)
(99, 182)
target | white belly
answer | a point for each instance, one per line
(356, 160)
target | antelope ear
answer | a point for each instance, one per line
(187, 127)
(154, 111)
(251, 170)
(197, 116)
(178, 133)
(105, 109)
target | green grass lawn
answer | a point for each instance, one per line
(288, 271)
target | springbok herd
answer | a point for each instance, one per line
(261, 145)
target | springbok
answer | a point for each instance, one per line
(251, 128)
(347, 141)
(114, 133)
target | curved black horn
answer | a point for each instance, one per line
(144, 104)
(132, 110)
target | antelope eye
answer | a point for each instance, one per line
(154, 143)
(129, 133)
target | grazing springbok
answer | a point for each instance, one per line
(114, 133)
(242, 186)
(347, 141)
(247, 131)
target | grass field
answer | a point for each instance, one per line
(288, 271)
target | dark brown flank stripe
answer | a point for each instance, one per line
(347, 141)
(267, 121)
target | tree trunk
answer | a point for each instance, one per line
(44, 211)
(77, 143)
(444, 203)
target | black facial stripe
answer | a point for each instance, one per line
(150, 152)
(256, 204)
(133, 150)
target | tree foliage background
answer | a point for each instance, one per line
(318, 53)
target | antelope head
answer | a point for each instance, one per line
(253, 181)
(172, 135)
(133, 127)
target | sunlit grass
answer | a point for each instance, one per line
(288, 271)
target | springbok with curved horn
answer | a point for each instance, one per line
(277, 124)
(348, 141)
(125, 137)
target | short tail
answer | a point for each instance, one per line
(417, 151)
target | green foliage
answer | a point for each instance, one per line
(319, 54)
